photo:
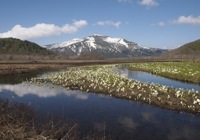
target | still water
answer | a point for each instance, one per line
(150, 78)
(119, 119)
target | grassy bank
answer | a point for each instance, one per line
(12, 69)
(20, 67)
(102, 79)
(183, 71)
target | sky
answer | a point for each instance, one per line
(165, 24)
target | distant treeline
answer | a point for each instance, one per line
(17, 46)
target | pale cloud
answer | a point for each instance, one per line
(124, 0)
(80, 23)
(187, 20)
(148, 3)
(128, 122)
(42, 30)
(44, 91)
(108, 23)
(161, 24)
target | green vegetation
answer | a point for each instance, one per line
(17, 46)
(192, 48)
(195, 45)
(102, 79)
(183, 71)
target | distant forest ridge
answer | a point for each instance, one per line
(16, 49)
(17, 46)
(192, 48)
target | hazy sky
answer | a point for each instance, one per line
(150, 23)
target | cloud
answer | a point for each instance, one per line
(42, 30)
(147, 116)
(108, 23)
(149, 3)
(80, 23)
(161, 24)
(124, 0)
(45, 91)
(128, 122)
(187, 20)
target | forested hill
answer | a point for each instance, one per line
(192, 48)
(17, 46)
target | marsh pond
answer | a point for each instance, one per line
(109, 116)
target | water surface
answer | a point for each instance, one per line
(150, 78)
(117, 118)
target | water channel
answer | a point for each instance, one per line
(113, 117)
(150, 78)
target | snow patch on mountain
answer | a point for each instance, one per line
(67, 43)
(116, 40)
(91, 42)
(97, 35)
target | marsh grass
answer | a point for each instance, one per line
(183, 71)
(103, 80)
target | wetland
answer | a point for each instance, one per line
(103, 101)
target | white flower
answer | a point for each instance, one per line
(178, 94)
(195, 102)
(155, 93)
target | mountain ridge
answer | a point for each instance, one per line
(191, 48)
(104, 45)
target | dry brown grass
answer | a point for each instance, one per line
(10, 69)
(18, 67)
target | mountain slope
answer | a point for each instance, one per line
(17, 46)
(192, 48)
(103, 45)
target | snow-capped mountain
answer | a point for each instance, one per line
(103, 45)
